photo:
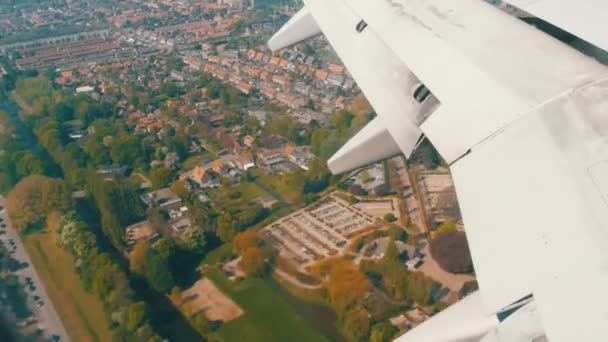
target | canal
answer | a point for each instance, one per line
(26, 134)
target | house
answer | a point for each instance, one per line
(244, 161)
(335, 79)
(272, 157)
(335, 68)
(204, 198)
(112, 172)
(180, 225)
(300, 155)
(243, 87)
(140, 231)
(281, 80)
(178, 213)
(170, 159)
(259, 114)
(217, 119)
(248, 140)
(84, 89)
(271, 142)
(203, 177)
(163, 198)
(321, 75)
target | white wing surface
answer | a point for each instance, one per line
(585, 19)
(523, 120)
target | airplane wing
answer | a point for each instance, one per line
(584, 19)
(523, 121)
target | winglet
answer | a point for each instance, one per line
(372, 143)
(300, 27)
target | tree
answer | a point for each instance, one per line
(158, 272)
(157, 220)
(167, 249)
(391, 255)
(382, 332)
(169, 89)
(356, 324)
(226, 227)
(139, 256)
(253, 261)
(390, 217)
(125, 150)
(246, 239)
(27, 164)
(97, 151)
(200, 324)
(193, 239)
(179, 188)
(33, 198)
(136, 315)
(346, 284)
(152, 265)
(447, 226)
(73, 236)
(176, 296)
(160, 177)
(398, 234)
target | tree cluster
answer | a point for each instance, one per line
(34, 198)
(118, 205)
(153, 265)
(392, 276)
(16, 159)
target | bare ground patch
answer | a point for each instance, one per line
(205, 297)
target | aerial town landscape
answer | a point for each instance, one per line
(163, 177)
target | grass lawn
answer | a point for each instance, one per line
(267, 316)
(220, 254)
(81, 313)
(198, 159)
(291, 193)
(227, 194)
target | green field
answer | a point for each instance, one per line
(291, 193)
(81, 313)
(243, 193)
(267, 316)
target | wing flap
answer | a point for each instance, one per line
(300, 27)
(372, 143)
(473, 59)
(381, 75)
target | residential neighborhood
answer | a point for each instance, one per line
(182, 191)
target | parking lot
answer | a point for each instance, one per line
(318, 231)
(44, 313)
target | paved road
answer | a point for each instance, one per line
(47, 317)
(410, 198)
